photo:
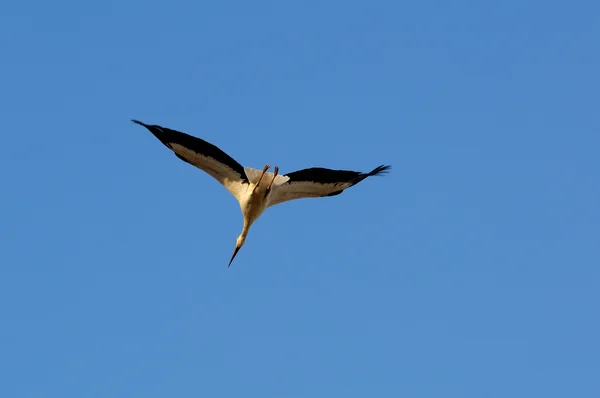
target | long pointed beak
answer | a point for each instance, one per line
(232, 257)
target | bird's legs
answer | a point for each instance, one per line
(267, 167)
(270, 184)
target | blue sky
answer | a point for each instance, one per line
(472, 270)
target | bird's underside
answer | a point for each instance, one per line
(256, 190)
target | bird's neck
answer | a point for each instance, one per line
(246, 228)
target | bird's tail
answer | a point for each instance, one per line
(254, 175)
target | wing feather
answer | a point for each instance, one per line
(204, 156)
(318, 182)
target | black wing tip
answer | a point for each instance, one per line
(380, 170)
(156, 130)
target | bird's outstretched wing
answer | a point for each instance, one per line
(318, 182)
(203, 155)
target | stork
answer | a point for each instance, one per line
(256, 190)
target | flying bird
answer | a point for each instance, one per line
(256, 190)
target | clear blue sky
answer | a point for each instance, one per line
(472, 270)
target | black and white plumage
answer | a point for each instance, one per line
(256, 190)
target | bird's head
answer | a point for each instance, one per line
(239, 242)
